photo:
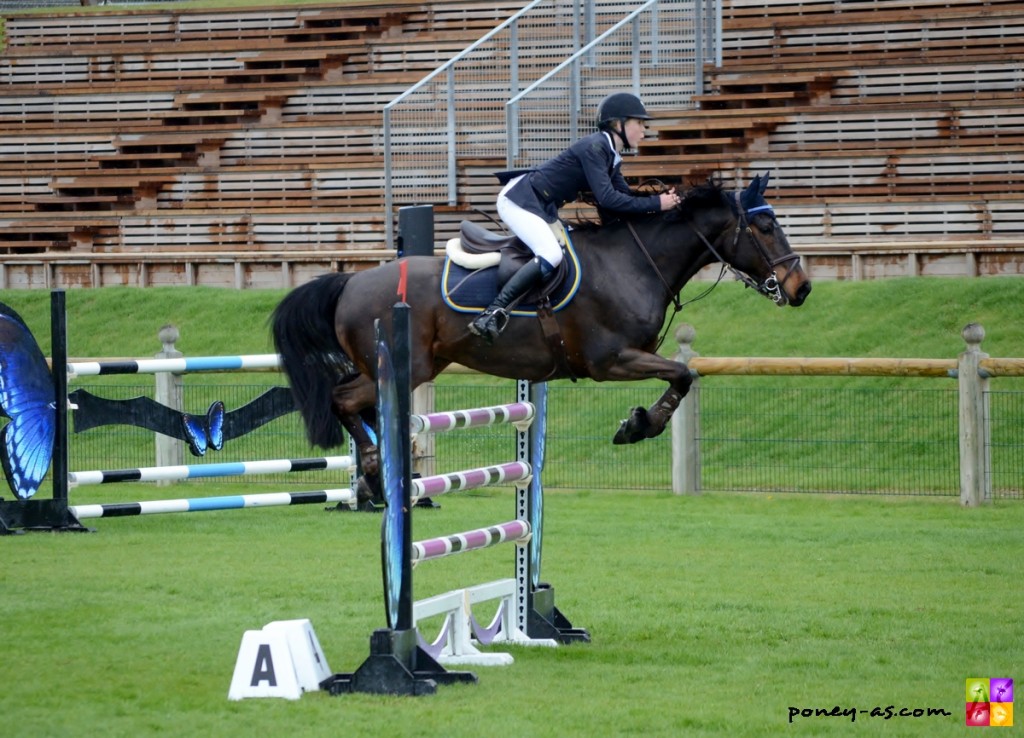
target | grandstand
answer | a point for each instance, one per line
(244, 147)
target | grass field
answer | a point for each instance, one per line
(713, 615)
(710, 615)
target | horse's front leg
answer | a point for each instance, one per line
(352, 402)
(650, 422)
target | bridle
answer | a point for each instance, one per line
(771, 286)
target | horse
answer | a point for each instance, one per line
(631, 270)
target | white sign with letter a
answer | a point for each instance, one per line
(282, 660)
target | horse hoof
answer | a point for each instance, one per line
(632, 429)
(365, 492)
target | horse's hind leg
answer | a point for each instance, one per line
(355, 412)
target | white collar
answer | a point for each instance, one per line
(618, 156)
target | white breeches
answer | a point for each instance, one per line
(532, 230)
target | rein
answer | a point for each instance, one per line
(673, 294)
(650, 260)
(770, 287)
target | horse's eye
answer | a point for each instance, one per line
(765, 224)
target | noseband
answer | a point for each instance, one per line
(771, 286)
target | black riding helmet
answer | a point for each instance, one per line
(620, 106)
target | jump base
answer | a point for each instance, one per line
(546, 621)
(396, 665)
(38, 515)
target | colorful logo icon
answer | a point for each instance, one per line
(989, 702)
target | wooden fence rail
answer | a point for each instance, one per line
(972, 370)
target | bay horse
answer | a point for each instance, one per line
(631, 270)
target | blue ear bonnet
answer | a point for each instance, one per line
(752, 199)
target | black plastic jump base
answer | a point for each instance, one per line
(22, 516)
(544, 620)
(396, 665)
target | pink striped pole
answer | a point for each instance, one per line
(516, 412)
(514, 471)
(436, 548)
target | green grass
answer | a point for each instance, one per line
(710, 616)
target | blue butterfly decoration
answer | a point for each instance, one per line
(394, 564)
(203, 433)
(27, 398)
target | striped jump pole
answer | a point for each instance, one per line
(206, 504)
(519, 414)
(487, 476)
(200, 471)
(157, 366)
(400, 662)
(436, 548)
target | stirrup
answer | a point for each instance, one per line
(489, 324)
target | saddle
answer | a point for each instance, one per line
(479, 262)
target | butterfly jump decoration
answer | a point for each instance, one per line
(200, 432)
(27, 397)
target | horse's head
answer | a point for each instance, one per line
(756, 248)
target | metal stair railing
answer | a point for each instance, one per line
(457, 111)
(656, 52)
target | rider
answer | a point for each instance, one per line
(529, 203)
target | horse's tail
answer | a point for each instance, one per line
(312, 358)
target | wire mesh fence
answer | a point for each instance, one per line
(1006, 442)
(830, 440)
(761, 437)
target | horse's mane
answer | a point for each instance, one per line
(697, 197)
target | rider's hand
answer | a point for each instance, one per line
(669, 199)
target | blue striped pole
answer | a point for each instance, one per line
(199, 471)
(156, 366)
(206, 504)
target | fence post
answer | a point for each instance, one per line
(686, 423)
(424, 445)
(975, 480)
(170, 393)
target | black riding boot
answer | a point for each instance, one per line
(491, 322)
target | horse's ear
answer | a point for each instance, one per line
(764, 183)
(753, 191)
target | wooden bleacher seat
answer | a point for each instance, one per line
(243, 147)
(785, 35)
(125, 32)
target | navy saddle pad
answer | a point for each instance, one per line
(472, 290)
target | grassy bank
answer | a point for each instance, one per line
(830, 433)
(911, 318)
